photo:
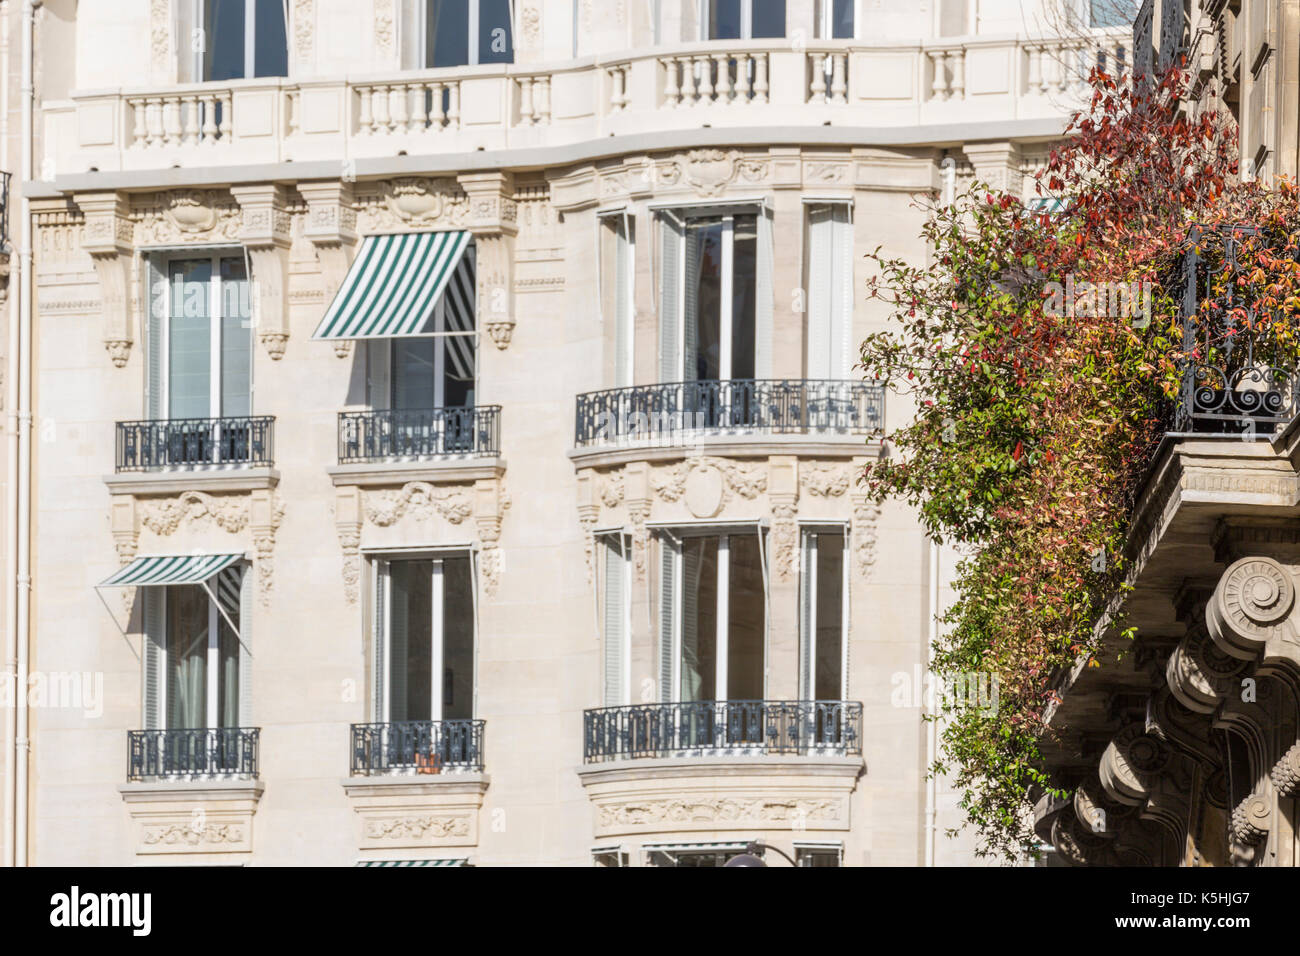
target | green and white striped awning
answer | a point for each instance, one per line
(162, 570)
(393, 285)
(454, 861)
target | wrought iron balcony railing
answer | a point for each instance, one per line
(193, 753)
(417, 746)
(418, 433)
(194, 442)
(679, 411)
(725, 728)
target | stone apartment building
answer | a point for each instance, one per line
(446, 424)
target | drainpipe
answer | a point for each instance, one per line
(11, 471)
(948, 172)
(24, 576)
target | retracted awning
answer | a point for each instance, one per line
(454, 861)
(393, 285)
(162, 570)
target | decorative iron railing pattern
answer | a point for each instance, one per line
(669, 413)
(194, 753)
(417, 746)
(419, 433)
(1231, 385)
(194, 442)
(733, 727)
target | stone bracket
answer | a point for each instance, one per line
(266, 234)
(109, 239)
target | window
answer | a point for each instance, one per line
(701, 855)
(814, 854)
(824, 612)
(207, 340)
(424, 639)
(716, 298)
(742, 19)
(1112, 13)
(617, 305)
(195, 660)
(713, 614)
(240, 39)
(830, 290)
(467, 32)
(616, 585)
(835, 19)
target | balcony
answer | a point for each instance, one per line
(681, 412)
(740, 83)
(417, 747)
(799, 728)
(213, 753)
(418, 434)
(194, 443)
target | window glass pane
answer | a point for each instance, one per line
(768, 18)
(704, 299)
(413, 378)
(1113, 13)
(842, 19)
(724, 19)
(495, 41)
(699, 618)
(410, 640)
(744, 268)
(189, 340)
(827, 682)
(223, 50)
(746, 611)
(228, 676)
(236, 340)
(460, 351)
(447, 33)
(270, 50)
(457, 640)
(187, 654)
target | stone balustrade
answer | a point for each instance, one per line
(719, 84)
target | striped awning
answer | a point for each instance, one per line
(393, 285)
(454, 861)
(162, 570)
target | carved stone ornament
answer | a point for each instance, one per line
(772, 812)
(866, 519)
(1251, 602)
(1251, 820)
(417, 827)
(186, 215)
(420, 500)
(1201, 675)
(1130, 764)
(825, 480)
(746, 480)
(412, 202)
(711, 171)
(165, 516)
(1286, 773)
(190, 835)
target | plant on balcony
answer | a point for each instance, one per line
(1040, 398)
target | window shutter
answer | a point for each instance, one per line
(806, 623)
(378, 638)
(670, 236)
(763, 297)
(842, 292)
(690, 309)
(154, 641)
(667, 616)
(245, 619)
(157, 308)
(398, 632)
(820, 229)
(691, 566)
(622, 306)
(615, 621)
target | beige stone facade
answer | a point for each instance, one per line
(566, 169)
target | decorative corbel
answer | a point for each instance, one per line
(490, 505)
(636, 493)
(265, 233)
(494, 221)
(332, 228)
(588, 513)
(866, 519)
(783, 496)
(347, 520)
(109, 238)
(125, 524)
(265, 514)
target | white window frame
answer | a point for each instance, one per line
(624, 312)
(723, 589)
(843, 292)
(808, 582)
(746, 20)
(216, 316)
(825, 19)
(436, 625)
(422, 25)
(726, 290)
(212, 663)
(199, 10)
